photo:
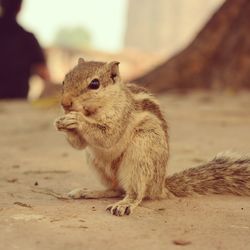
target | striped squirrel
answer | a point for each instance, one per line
(125, 135)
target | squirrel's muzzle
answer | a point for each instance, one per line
(66, 102)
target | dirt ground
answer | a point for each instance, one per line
(34, 156)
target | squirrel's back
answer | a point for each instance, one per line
(225, 174)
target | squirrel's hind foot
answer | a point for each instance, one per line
(124, 207)
(118, 209)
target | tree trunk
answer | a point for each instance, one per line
(219, 57)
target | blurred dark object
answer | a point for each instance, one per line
(11, 7)
(21, 54)
(218, 58)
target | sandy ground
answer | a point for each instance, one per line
(34, 156)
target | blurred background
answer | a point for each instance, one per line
(140, 34)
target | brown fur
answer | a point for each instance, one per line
(126, 139)
(151, 106)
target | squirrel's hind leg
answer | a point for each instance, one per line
(83, 193)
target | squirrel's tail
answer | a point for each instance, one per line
(223, 175)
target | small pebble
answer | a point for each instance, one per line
(12, 180)
(16, 166)
(65, 154)
(181, 242)
(161, 209)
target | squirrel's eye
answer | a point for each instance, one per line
(95, 84)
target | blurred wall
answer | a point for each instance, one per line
(166, 25)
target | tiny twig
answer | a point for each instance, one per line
(46, 172)
(22, 204)
(50, 192)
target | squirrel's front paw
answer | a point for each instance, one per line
(68, 122)
(58, 123)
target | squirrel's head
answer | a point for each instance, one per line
(89, 86)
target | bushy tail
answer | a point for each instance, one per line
(223, 175)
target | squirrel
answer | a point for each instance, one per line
(125, 135)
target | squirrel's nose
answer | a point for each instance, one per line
(66, 102)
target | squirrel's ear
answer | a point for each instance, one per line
(114, 69)
(80, 60)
